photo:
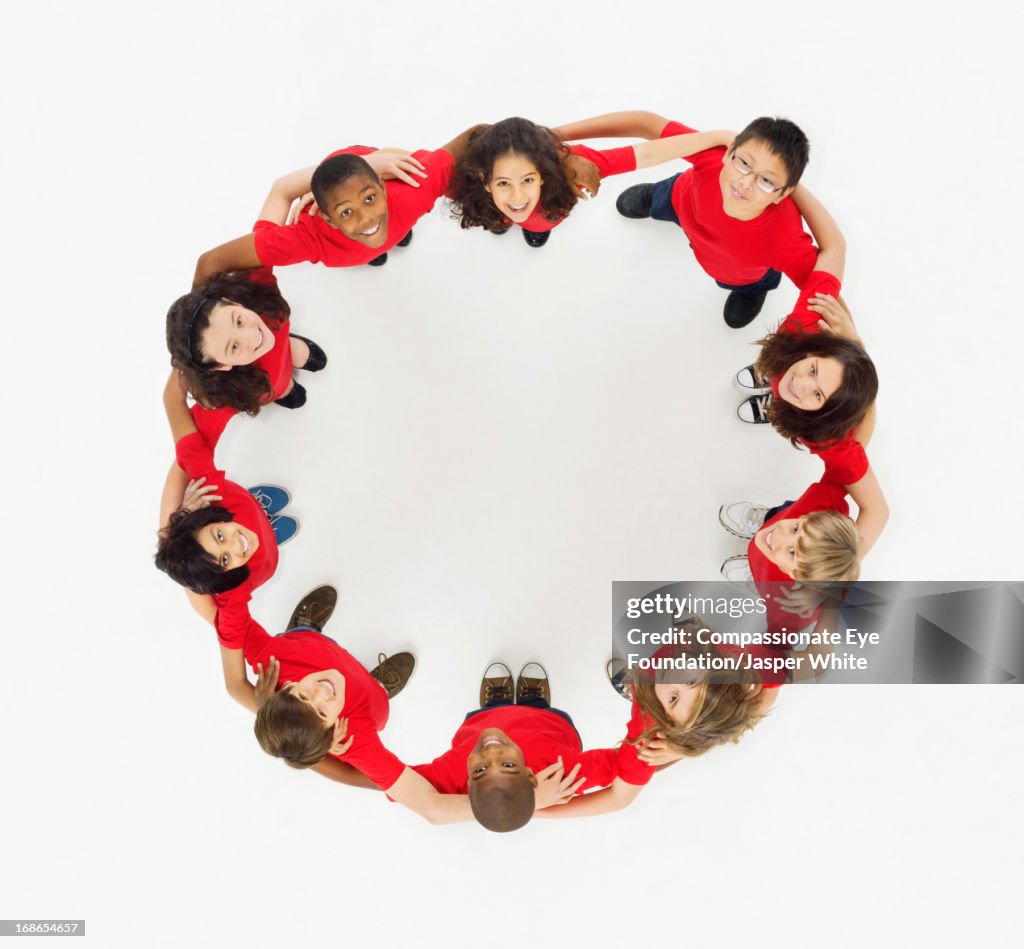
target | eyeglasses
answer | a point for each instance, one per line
(744, 169)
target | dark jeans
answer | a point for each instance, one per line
(530, 702)
(778, 509)
(662, 210)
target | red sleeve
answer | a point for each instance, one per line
(283, 244)
(609, 161)
(796, 254)
(846, 462)
(629, 767)
(675, 128)
(233, 621)
(439, 165)
(803, 318)
(195, 458)
(369, 755)
(212, 422)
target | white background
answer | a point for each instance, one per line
(500, 433)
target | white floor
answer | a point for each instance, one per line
(500, 433)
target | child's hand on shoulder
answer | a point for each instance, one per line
(266, 681)
(554, 786)
(835, 316)
(583, 174)
(198, 495)
(657, 753)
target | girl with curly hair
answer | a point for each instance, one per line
(230, 338)
(220, 552)
(517, 172)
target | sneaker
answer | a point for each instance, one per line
(533, 686)
(755, 409)
(405, 241)
(393, 672)
(315, 608)
(317, 357)
(748, 382)
(295, 399)
(635, 202)
(536, 238)
(285, 528)
(742, 518)
(272, 497)
(378, 261)
(741, 309)
(616, 672)
(736, 570)
(496, 689)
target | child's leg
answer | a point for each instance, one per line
(649, 200)
(745, 302)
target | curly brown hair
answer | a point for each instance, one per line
(471, 202)
(245, 388)
(845, 408)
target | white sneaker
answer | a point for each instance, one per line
(742, 518)
(736, 570)
(755, 409)
(747, 382)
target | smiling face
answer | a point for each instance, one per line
(515, 186)
(742, 197)
(228, 542)
(495, 758)
(358, 207)
(677, 699)
(779, 541)
(323, 691)
(235, 336)
(809, 383)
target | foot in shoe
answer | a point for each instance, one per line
(755, 409)
(284, 527)
(536, 238)
(295, 399)
(742, 308)
(496, 686)
(742, 518)
(405, 241)
(748, 382)
(272, 497)
(532, 683)
(635, 202)
(306, 354)
(378, 261)
(394, 672)
(315, 608)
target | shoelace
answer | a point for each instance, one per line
(762, 402)
(755, 517)
(531, 691)
(386, 672)
(497, 690)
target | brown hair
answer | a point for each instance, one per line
(845, 408)
(503, 805)
(829, 549)
(286, 727)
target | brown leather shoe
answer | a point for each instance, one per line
(533, 686)
(393, 672)
(315, 608)
(496, 688)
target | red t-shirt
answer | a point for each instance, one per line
(732, 251)
(276, 363)
(846, 462)
(233, 621)
(609, 161)
(366, 703)
(631, 769)
(824, 495)
(541, 735)
(312, 238)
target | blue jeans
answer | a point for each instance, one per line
(531, 702)
(778, 509)
(662, 210)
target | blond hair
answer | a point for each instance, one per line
(829, 549)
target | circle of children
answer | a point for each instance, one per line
(742, 211)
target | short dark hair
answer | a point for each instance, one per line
(783, 138)
(336, 170)
(505, 804)
(183, 559)
(286, 727)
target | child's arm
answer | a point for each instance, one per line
(873, 511)
(416, 793)
(235, 679)
(828, 237)
(335, 770)
(634, 124)
(613, 798)
(458, 145)
(679, 146)
(176, 407)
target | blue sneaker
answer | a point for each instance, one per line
(285, 528)
(272, 497)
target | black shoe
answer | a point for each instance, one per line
(378, 261)
(635, 202)
(295, 399)
(501, 231)
(405, 241)
(616, 672)
(536, 238)
(317, 357)
(315, 608)
(393, 672)
(741, 309)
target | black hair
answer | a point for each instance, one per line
(183, 559)
(783, 138)
(336, 170)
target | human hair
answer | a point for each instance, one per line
(503, 805)
(726, 705)
(472, 203)
(828, 549)
(843, 410)
(335, 171)
(183, 559)
(286, 727)
(783, 138)
(244, 388)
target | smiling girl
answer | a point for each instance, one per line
(516, 172)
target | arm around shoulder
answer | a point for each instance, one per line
(618, 795)
(415, 792)
(239, 254)
(873, 512)
(629, 124)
